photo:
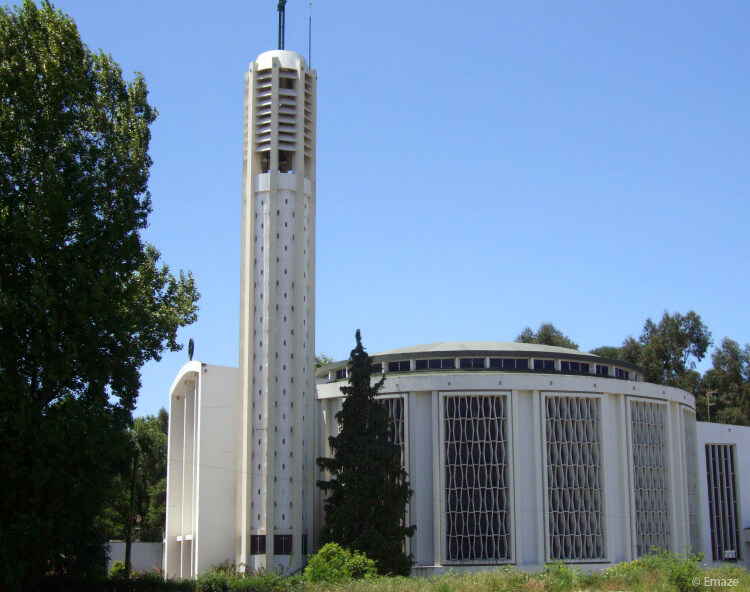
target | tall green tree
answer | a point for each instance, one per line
(728, 382)
(367, 493)
(671, 348)
(84, 302)
(667, 351)
(148, 438)
(630, 351)
(547, 334)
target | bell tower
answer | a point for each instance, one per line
(277, 315)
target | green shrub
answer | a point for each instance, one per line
(117, 570)
(679, 569)
(335, 564)
(224, 577)
(558, 577)
(626, 573)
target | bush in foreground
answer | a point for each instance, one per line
(335, 564)
(224, 577)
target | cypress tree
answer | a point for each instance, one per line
(367, 493)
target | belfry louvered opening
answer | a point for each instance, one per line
(650, 476)
(284, 87)
(575, 504)
(263, 99)
(722, 502)
(309, 109)
(477, 494)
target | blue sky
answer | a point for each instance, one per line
(482, 166)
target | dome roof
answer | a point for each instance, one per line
(490, 347)
(482, 349)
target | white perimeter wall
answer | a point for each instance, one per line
(143, 556)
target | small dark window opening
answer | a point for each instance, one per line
(257, 544)
(282, 544)
(377, 368)
(286, 161)
(602, 370)
(341, 373)
(472, 363)
(287, 83)
(400, 366)
(496, 362)
(620, 373)
(265, 162)
(436, 364)
(544, 364)
(304, 544)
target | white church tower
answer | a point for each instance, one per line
(277, 320)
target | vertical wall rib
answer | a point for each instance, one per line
(691, 477)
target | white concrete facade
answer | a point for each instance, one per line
(736, 441)
(201, 469)
(590, 469)
(527, 396)
(277, 304)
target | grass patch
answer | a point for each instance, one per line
(656, 572)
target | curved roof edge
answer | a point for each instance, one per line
(194, 366)
(488, 346)
(484, 348)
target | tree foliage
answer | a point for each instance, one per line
(148, 439)
(84, 302)
(728, 383)
(671, 348)
(322, 359)
(547, 334)
(367, 493)
(666, 351)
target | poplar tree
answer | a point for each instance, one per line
(84, 301)
(368, 491)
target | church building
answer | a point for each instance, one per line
(518, 454)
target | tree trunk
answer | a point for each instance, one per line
(129, 530)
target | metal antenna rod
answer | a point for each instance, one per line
(309, 39)
(281, 7)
